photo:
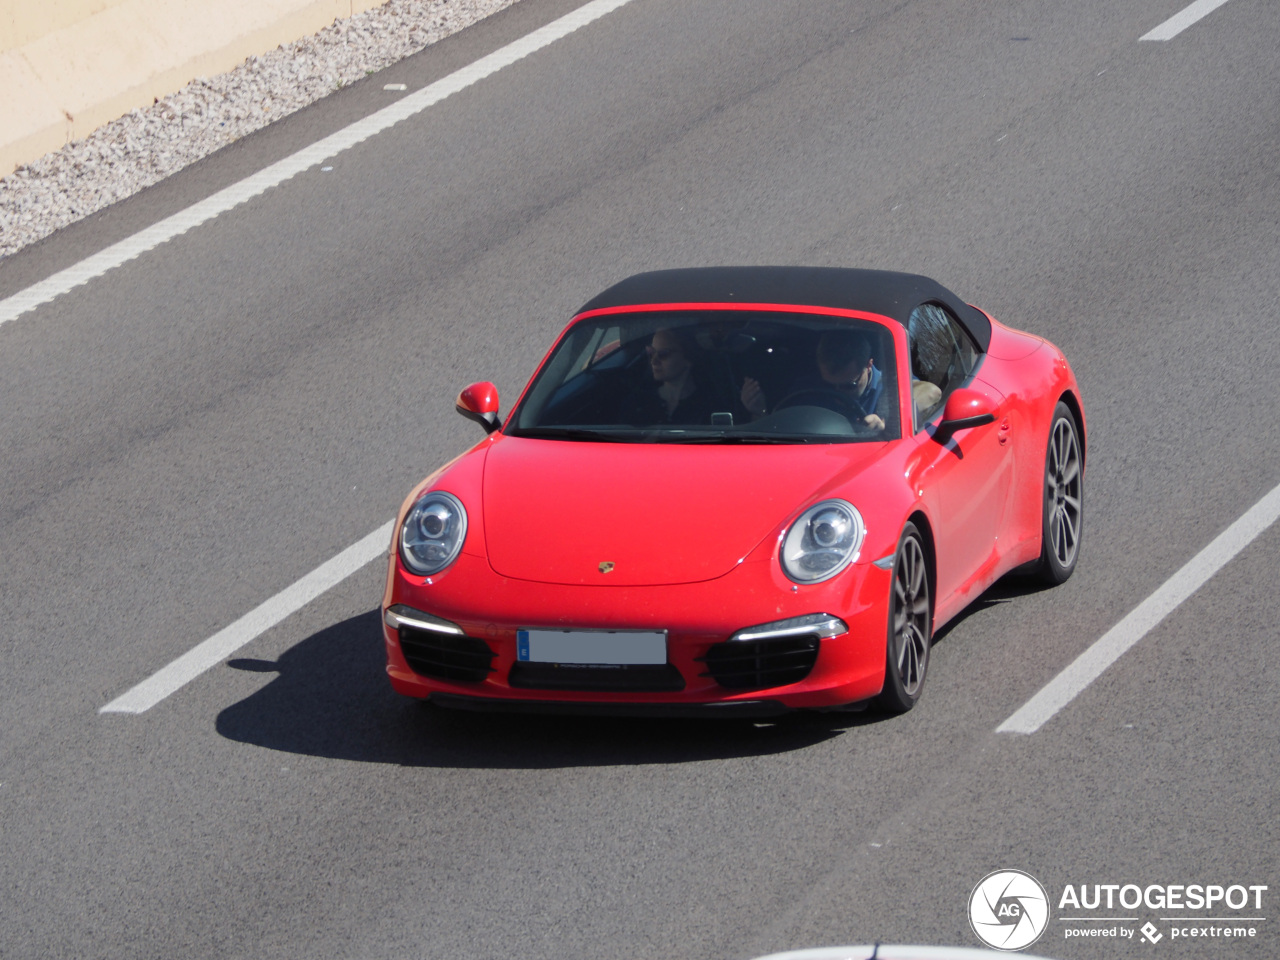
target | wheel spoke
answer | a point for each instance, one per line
(911, 665)
(1071, 523)
(1064, 541)
(1071, 471)
(921, 659)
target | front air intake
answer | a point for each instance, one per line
(759, 664)
(444, 656)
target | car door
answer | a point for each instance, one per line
(963, 475)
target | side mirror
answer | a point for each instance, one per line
(479, 402)
(966, 408)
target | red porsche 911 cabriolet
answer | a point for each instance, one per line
(737, 490)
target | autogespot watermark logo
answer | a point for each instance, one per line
(1206, 912)
(1008, 910)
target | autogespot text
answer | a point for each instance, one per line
(1156, 896)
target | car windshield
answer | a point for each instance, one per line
(716, 377)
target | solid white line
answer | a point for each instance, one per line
(1113, 644)
(1180, 21)
(236, 194)
(252, 625)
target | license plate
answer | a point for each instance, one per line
(592, 647)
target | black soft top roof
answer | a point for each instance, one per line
(889, 294)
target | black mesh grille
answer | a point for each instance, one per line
(445, 657)
(757, 664)
(555, 676)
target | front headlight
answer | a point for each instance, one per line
(432, 534)
(822, 542)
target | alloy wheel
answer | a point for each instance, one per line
(1062, 493)
(911, 616)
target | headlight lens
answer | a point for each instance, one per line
(432, 534)
(822, 542)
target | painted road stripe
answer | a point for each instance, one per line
(252, 625)
(279, 172)
(1113, 644)
(1180, 21)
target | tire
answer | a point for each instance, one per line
(910, 630)
(1062, 513)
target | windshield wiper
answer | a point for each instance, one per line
(585, 434)
(752, 438)
(574, 433)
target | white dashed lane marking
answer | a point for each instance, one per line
(252, 625)
(276, 174)
(1180, 21)
(1113, 644)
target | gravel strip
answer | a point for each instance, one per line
(147, 145)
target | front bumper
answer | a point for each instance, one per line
(477, 666)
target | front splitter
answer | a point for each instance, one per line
(727, 709)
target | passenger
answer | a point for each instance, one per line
(846, 367)
(678, 397)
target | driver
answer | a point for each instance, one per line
(846, 367)
(677, 396)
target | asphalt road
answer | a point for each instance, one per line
(187, 435)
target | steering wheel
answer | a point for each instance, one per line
(830, 398)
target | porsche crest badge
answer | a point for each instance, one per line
(606, 566)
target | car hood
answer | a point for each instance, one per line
(621, 514)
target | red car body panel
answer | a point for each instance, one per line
(662, 514)
(692, 534)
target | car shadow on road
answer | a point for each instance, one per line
(1006, 589)
(331, 698)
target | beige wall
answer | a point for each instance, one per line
(22, 21)
(69, 66)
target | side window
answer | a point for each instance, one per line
(942, 356)
(602, 343)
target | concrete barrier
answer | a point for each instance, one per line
(67, 67)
